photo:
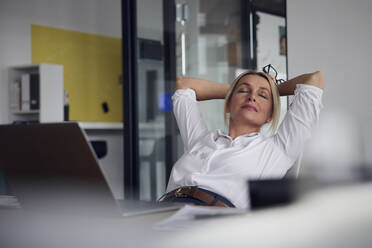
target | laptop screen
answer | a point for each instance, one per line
(52, 167)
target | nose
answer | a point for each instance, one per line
(251, 99)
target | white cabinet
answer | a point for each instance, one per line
(50, 93)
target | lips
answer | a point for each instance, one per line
(249, 107)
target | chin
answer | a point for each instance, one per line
(249, 118)
(251, 122)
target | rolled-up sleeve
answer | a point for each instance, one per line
(188, 116)
(301, 118)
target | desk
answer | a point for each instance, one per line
(20, 229)
(332, 217)
(335, 217)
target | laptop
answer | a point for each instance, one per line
(53, 168)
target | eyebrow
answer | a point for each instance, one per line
(248, 84)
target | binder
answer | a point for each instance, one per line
(15, 101)
(34, 91)
(25, 92)
(30, 92)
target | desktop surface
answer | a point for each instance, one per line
(334, 217)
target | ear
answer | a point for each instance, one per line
(269, 119)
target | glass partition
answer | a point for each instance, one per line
(214, 40)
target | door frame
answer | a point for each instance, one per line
(130, 108)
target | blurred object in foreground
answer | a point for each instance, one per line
(9, 201)
(335, 151)
(271, 192)
(336, 155)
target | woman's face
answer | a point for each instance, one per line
(251, 102)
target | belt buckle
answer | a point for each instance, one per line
(178, 192)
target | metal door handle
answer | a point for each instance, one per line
(182, 15)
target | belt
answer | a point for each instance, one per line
(195, 193)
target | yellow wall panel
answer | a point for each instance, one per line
(92, 67)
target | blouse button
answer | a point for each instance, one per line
(203, 155)
(194, 153)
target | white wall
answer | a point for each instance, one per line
(334, 36)
(16, 17)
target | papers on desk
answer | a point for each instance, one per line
(8, 201)
(189, 215)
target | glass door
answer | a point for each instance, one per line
(153, 100)
(213, 40)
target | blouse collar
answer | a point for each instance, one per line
(220, 133)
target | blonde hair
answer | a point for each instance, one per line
(274, 93)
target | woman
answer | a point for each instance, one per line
(215, 166)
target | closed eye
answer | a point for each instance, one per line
(243, 91)
(263, 96)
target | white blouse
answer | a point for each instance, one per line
(213, 161)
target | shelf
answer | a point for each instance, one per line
(31, 112)
(25, 67)
(101, 125)
(47, 90)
